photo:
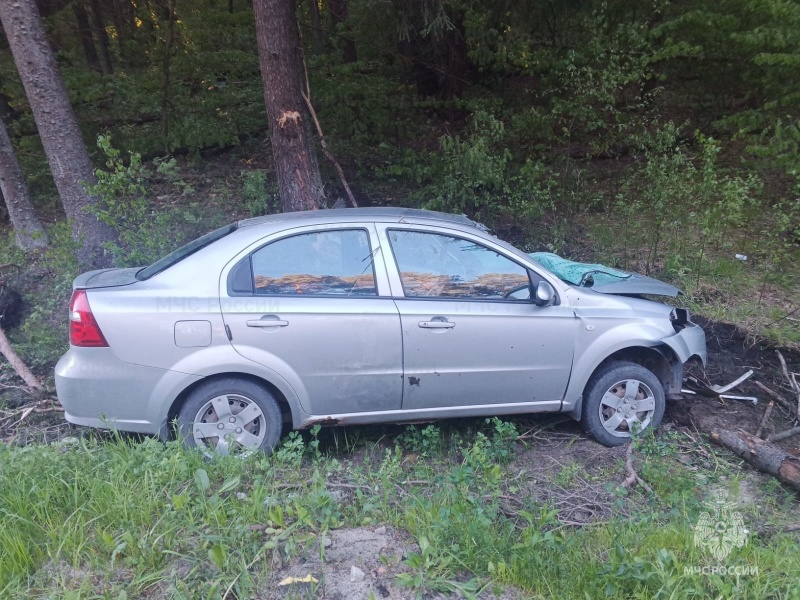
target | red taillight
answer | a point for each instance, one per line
(83, 329)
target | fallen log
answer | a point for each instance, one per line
(762, 455)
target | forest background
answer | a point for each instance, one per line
(659, 137)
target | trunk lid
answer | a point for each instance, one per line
(105, 278)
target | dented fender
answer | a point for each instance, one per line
(689, 342)
(600, 338)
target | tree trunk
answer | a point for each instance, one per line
(85, 35)
(452, 60)
(281, 60)
(118, 21)
(123, 17)
(339, 14)
(102, 36)
(168, 44)
(58, 128)
(316, 27)
(762, 455)
(29, 231)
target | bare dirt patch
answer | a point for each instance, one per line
(346, 563)
(731, 352)
(354, 564)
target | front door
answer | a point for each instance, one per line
(306, 306)
(471, 334)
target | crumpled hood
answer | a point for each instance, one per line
(638, 284)
(601, 278)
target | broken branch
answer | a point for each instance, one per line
(793, 385)
(328, 153)
(781, 400)
(17, 363)
(323, 143)
(765, 418)
(782, 435)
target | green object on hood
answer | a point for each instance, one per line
(578, 273)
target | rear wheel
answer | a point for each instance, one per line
(621, 399)
(230, 416)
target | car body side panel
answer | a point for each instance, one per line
(346, 353)
(343, 352)
(222, 360)
(496, 352)
(99, 390)
(139, 321)
(426, 415)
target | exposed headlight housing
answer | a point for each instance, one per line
(679, 317)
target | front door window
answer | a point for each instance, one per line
(433, 265)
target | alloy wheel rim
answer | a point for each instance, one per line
(627, 407)
(229, 424)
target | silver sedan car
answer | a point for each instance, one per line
(362, 316)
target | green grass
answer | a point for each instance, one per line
(94, 519)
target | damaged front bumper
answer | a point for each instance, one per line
(688, 343)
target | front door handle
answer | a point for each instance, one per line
(267, 321)
(437, 323)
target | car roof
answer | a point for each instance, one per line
(363, 214)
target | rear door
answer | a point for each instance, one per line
(306, 304)
(471, 334)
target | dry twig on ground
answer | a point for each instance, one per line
(791, 378)
(780, 399)
(12, 418)
(633, 477)
(765, 418)
(783, 435)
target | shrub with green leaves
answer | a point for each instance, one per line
(146, 231)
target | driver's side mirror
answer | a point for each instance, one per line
(544, 295)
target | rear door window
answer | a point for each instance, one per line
(322, 263)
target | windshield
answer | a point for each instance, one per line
(181, 253)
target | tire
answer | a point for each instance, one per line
(607, 398)
(257, 429)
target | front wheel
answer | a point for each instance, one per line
(230, 416)
(621, 399)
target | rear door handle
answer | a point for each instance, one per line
(440, 323)
(267, 321)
